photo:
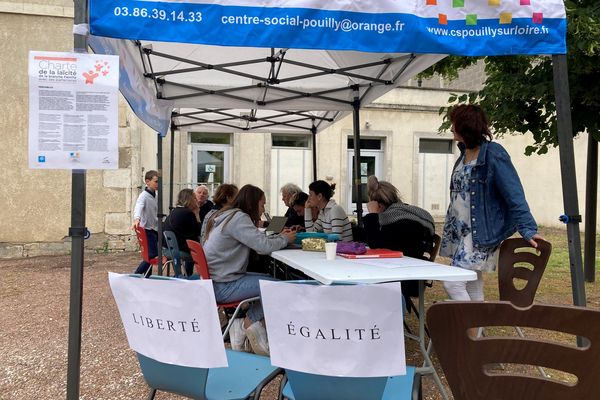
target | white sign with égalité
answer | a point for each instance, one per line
(173, 321)
(344, 330)
(73, 111)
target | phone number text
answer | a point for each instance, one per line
(158, 14)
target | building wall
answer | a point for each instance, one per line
(35, 204)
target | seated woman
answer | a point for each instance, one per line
(392, 224)
(184, 221)
(289, 192)
(223, 197)
(229, 237)
(332, 218)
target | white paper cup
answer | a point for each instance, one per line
(330, 249)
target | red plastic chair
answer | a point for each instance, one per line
(199, 258)
(142, 238)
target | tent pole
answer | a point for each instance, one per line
(314, 150)
(77, 233)
(160, 214)
(357, 184)
(171, 165)
(591, 202)
(568, 177)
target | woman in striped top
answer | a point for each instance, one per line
(332, 217)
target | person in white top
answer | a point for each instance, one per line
(332, 217)
(145, 215)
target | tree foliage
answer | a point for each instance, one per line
(518, 93)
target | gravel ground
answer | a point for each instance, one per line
(34, 299)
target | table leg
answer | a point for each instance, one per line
(428, 367)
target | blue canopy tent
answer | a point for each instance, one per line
(353, 52)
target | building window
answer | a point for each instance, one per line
(437, 146)
(295, 141)
(365, 144)
(212, 138)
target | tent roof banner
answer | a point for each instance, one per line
(212, 88)
(460, 27)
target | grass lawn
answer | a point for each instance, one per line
(555, 287)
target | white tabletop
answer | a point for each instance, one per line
(373, 270)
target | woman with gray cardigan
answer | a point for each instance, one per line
(229, 237)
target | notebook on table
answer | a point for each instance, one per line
(374, 253)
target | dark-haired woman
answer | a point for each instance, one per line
(332, 218)
(223, 197)
(229, 237)
(183, 220)
(487, 203)
(298, 205)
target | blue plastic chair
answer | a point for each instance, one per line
(176, 255)
(244, 378)
(305, 386)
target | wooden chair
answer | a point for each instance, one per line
(410, 304)
(199, 258)
(142, 239)
(431, 256)
(464, 359)
(513, 253)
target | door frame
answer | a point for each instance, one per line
(379, 159)
(225, 148)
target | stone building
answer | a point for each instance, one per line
(399, 131)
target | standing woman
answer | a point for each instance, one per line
(332, 218)
(229, 237)
(487, 203)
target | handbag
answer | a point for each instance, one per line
(351, 248)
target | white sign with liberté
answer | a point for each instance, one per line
(173, 321)
(73, 110)
(345, 330)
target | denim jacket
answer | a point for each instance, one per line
(498, 205)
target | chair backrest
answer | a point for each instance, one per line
(437, 240)
(318, 303)
(173, 247)
(513, 254)
(186, 381)
(197, 253)
(142, 239)
(321, 387)
(464, 359)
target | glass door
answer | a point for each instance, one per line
(210, 165)
(370, 164)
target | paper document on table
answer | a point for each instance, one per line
(394, 263)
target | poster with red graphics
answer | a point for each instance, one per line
(73, 111)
